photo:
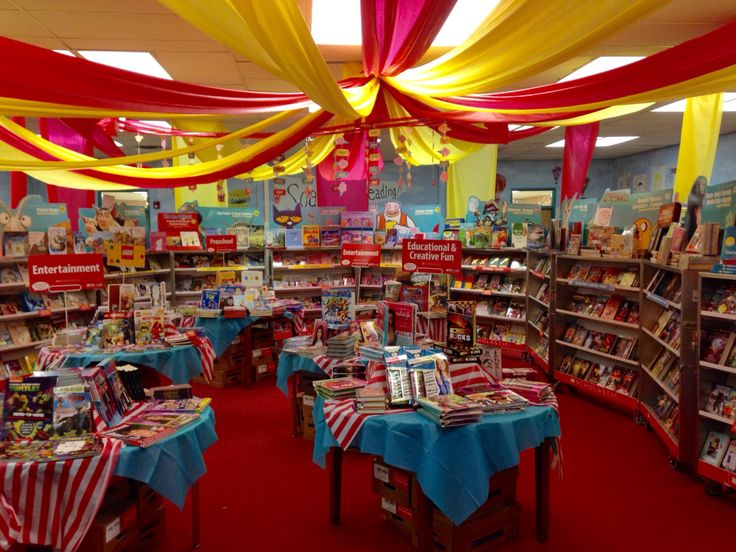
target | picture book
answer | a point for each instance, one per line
(72, 414)
(573, 244)
(368, 331)
(717, 340)
(190, 239)
(15, 244)
(57, 240)
(139, 434)
(419, 295)
(611, 307)
(461, 324)
(38, 243)
(338, 307)
(310, 235)
(329, 235)
(210, 299)
(10, 274)
(293, 237)
(714, 448)
(118, 330)
(179, 405)
(395, 323)
(29, 408)
(149, 325)
(518, 234)
(68, 449)
(729, 459)
(19, 333)
(728, 250)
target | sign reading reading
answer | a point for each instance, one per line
(361, 254)
(432, 256)
(221, 243)
(56, 273)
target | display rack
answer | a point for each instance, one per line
(668, 352)
(539, 313)
(496, 280)
(370, 280)
(715, 417)
(591, 360)
(192, 271)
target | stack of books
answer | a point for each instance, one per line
(177, 340)
(370, 400)
(449, 410)
(533, 391)
(342, 345)
(208, 313)
(371, 352)
(498, 399)
(341, 388)
(296, 343)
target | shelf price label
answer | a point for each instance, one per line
(361, 254)
(432, 256)
(57, 273)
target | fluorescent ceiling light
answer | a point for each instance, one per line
(65, 52)
(138, 62)
(516, 128)
(459, 24)
(338, 22)
(601, 141)
(162, 124)
(729, 105)
(600, 65)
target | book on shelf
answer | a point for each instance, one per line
(721, 401)
(29, 408)
(729, 459)
(714, 448)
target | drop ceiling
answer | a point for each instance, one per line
(188, 54)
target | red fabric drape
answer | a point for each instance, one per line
(396, 33)
(702, 55)
(330, 192)
(579, 148)
(33, 73)
(58, 132)
(18, 180)
(240, 168)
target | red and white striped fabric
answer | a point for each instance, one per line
(345, 422)
(297, 317)
(375, 375)
(48, 357)
(54, 503)
(326, 363)
(207, 356)
(434, 328)
(468, 374)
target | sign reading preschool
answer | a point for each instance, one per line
(56, 273)
(432, 256)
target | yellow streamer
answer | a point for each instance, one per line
(701, 125)
(473, 175)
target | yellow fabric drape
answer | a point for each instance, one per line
(423, 143)
(520, 39)
(64, 178)
(274, 35)
(201, 144)
(701, 125)
(474, 175)
(600, 115)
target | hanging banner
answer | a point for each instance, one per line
(225, 243)
(431, 256)
(361, 254)
(56, 273)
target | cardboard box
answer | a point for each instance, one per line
(222, 379)
(394, 484)
(152, 529)
(400, 517)
(480, 534)
(148, 500)
(261, 338)
(113, 529)
(501, 492)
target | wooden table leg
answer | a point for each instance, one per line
(293, 385)
(541, 468)
(334, 469)
(424, 521)
(195, 515)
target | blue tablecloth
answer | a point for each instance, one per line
(171, 466)
(289, 364)
(222, 331)
(453, 466)
(179, 364)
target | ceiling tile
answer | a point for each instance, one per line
(113, 6)
(216, 69)
(144, 45)
(15, 24)
(253, 71)
(270, 85)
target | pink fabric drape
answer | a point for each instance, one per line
(579, 147)
(352, 191)
(396, 33)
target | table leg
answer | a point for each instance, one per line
(334, 469)
(425, 521)
(195, 515)
(542, 467)
(293, 385)
(248, 364)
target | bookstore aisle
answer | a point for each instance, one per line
(615, 494)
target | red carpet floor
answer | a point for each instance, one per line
(262, 492)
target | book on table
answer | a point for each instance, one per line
(449, 410)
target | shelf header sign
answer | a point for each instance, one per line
(431, 256)
(220, 243)
(361, 254)
(57, 273)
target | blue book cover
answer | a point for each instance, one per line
(293, 237)
(210, 299)
(728, 251)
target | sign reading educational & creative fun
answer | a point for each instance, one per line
(221, 243)
(432, 256)
(56, 273)
(361, 254)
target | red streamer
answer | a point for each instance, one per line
(579, 147)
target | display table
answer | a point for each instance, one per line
(222, 331)
(287, 374)
(179, 364)
(69, 491)
(453, 466)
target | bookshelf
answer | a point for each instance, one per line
(540, 307)
(191, 271)
(496, 279)
(669, 315)
(715, 381)
(596, 326)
